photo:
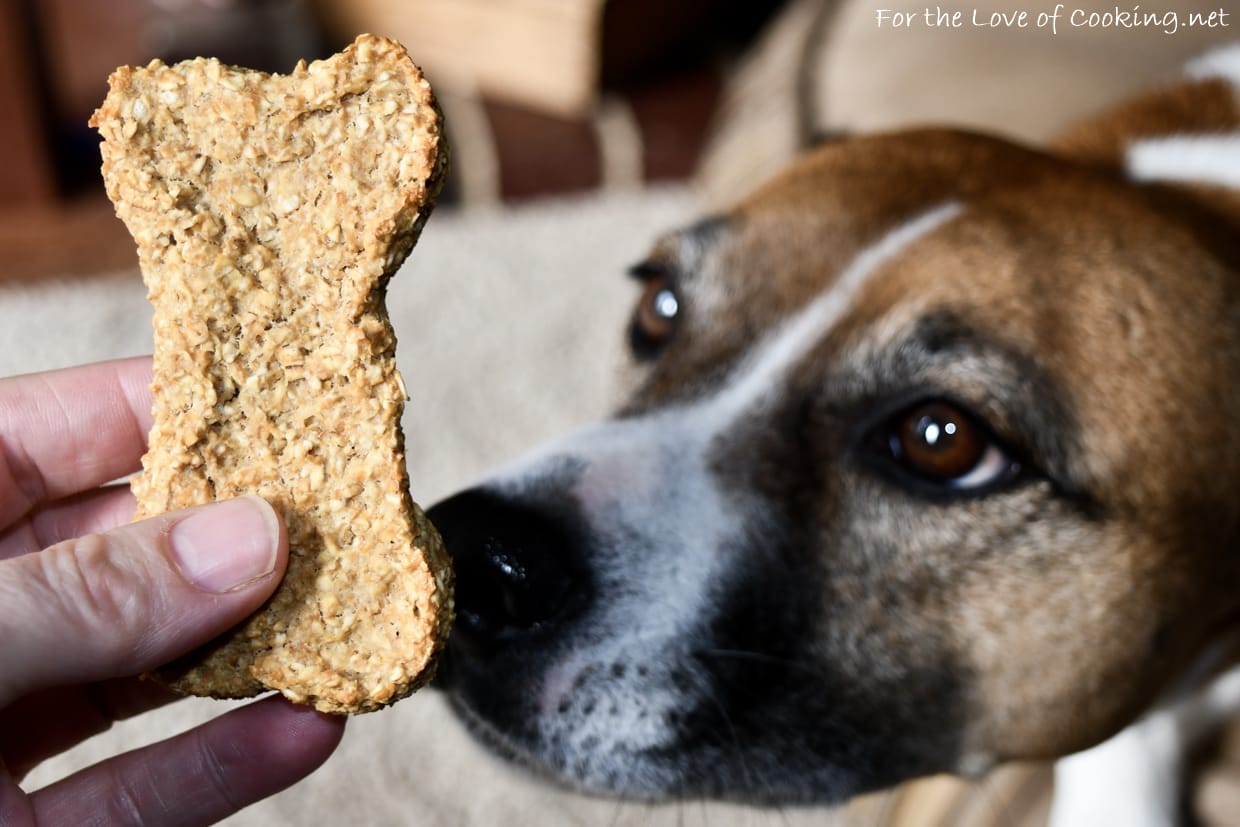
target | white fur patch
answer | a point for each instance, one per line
(1134, 778)
(1198, 158)
(1221, 63)
(1190, 159)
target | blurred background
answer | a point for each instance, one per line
(532, 85)
(548, 97)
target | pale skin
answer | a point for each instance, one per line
(89, 600)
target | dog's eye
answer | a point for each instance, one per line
(941, 444)
(654, 320)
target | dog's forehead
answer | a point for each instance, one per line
(1041, 248)
(793, 237)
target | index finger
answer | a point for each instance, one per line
(70, 430)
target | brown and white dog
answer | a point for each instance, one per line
(933, 464)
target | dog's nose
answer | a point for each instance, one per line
(515, 567)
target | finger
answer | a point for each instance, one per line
(201, 776)
(117, 603)
(49, 722)
(70, 430)
(91, 512)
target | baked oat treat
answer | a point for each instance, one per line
(269, 212)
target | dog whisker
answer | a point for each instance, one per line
(739, 749)
(759, 657)
(618, 811)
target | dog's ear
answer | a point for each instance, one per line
(1186, 135)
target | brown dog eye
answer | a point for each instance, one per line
(939, 443)
(654, 320)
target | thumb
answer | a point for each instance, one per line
(117, 603)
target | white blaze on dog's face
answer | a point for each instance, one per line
(931, 464)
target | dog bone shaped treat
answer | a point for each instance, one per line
(269, 212)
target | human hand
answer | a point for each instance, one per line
(88, 600)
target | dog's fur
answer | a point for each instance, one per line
(744, 585)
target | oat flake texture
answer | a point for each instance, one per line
(269, 212)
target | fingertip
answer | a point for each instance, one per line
(309, 732)
(286, 740)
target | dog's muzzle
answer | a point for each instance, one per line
(629, 623)
(582, 599)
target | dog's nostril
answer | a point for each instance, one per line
(515, 569)
(528, 587)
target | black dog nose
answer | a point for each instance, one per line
(515, 565)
